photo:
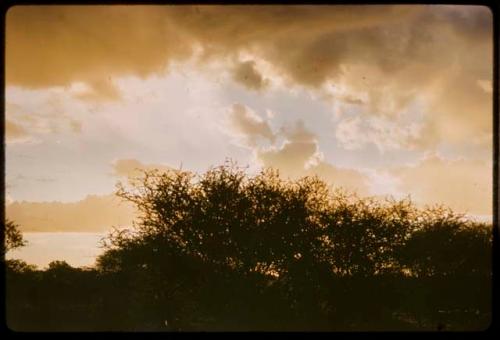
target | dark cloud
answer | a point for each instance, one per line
(57, 45)
(246, 74)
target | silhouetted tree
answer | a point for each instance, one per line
(223, 241)
(227, 251)
(446, 243)
(13, 238)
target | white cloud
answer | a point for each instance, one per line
(357, 132)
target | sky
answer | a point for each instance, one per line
(380, 100)
(78, 249)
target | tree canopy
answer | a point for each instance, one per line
(264, 238)
(228, 251)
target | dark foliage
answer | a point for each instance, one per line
(12, 237)
(226, 251)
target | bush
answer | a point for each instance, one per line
(245, 252)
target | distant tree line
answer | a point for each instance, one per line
(224, 251)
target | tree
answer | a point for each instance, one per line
(13, 238)
(226, 251)
(447, 244)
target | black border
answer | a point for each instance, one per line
(494, 8)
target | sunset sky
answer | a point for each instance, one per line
(383, 100)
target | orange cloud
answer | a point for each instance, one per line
(249, 124)
(14, 132)
(464, 185)
(46, 114)
(132, 168)
(388, 55)
(94, 213)
(58, 45)
(300, 156)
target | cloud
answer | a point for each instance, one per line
(356, 132)
(100, 90)
(461, 111)
(77, 40)
(247, 123)
(39, 112)
(485, 85)
(132, 168)
(58, 45)
(15, 132)
(300, 156)
(349, 134)
(277, 34)
(385, 56)
(94, 213)
(350, 179)
(246, 74)
(350, 99)
(36, 179)
(463, 185)
(75, 125)
(291, 157)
